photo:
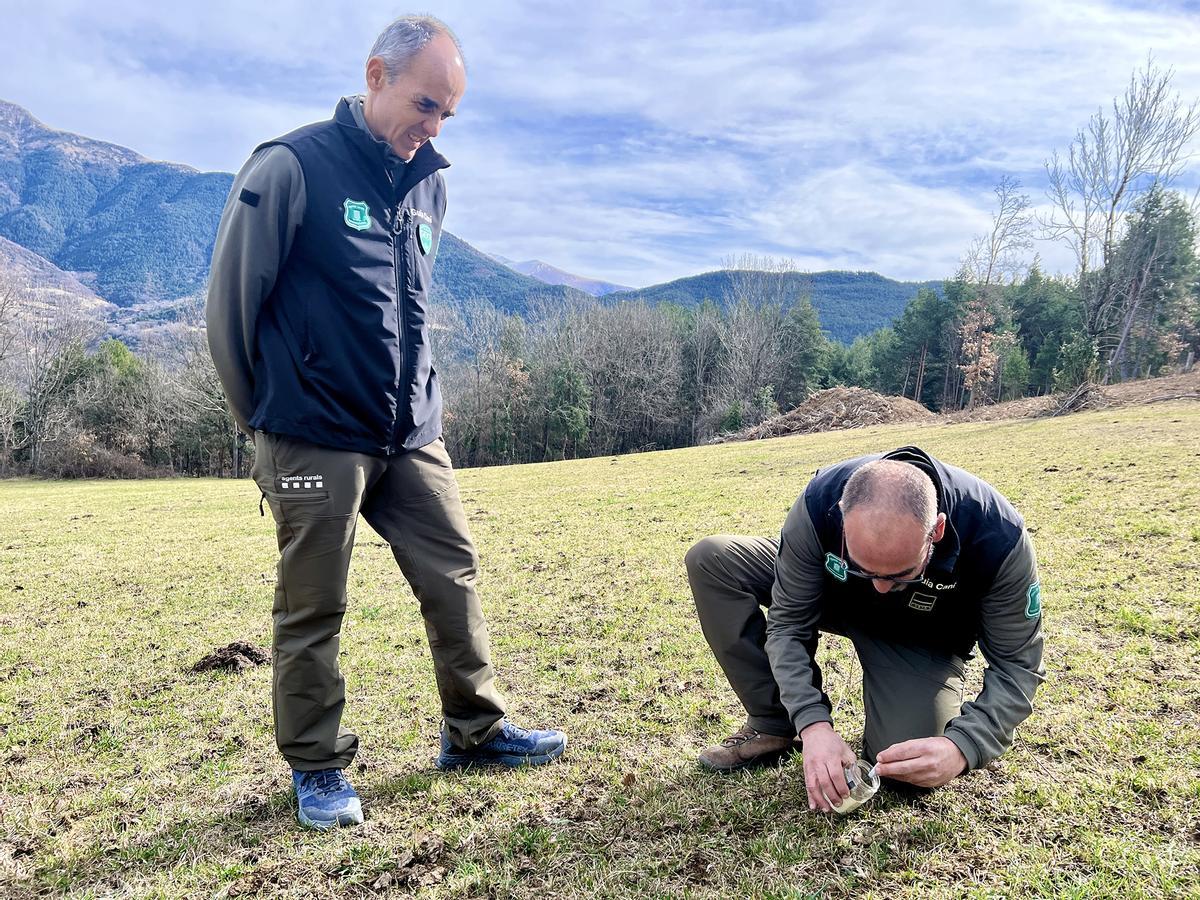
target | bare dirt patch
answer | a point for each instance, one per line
(1155, 390)
(236, 657)
(1129, 393)
(852, 407)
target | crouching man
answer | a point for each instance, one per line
(915, 561)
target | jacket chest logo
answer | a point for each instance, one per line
(922, 602)
(835, 566)
(357, 214)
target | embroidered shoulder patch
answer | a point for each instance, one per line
(835, 566)
(249, 197)
(1033, 606)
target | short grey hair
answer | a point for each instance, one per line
(894, 487)
(401, 41)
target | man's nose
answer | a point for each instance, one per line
(882, 585)
(432, 126)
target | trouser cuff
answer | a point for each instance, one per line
(467, 734)
(307, 765)
(779, 726)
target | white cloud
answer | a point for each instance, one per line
(635, 141)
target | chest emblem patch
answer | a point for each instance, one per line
(425, 238)
(922, 602)
(357, 214)
(835, 566)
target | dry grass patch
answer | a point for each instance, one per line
(122, 773)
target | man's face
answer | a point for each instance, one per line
(892, 548)
(409, 109)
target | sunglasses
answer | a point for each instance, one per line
(895, 580)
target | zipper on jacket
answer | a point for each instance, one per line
(400, 230)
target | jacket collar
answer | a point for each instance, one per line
(424, 163)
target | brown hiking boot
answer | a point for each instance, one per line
(746, 748)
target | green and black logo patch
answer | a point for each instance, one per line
(835, 566)
(1033, 606)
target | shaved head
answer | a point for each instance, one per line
(891, 488)
(890, 519)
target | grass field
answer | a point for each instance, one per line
(123, 774)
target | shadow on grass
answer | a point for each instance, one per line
(665, 831)
(592, 831)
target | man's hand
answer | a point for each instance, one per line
(826, 757)
(925, 762)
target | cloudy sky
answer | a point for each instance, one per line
(641, 141)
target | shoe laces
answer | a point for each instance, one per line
(740, 737)
(512, 731)
(328, 781)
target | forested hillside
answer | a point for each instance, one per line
(849, 304)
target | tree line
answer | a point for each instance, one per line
(73, 404)
(584, 378)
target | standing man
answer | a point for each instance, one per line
(915, 561)
(318, 324)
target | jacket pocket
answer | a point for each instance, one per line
(298, 496)
(306, 332)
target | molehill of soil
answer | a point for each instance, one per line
(236, 657)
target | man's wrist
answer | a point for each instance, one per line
(966, 747)
(956, 753)
(822, 725)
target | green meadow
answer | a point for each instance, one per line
(123, 774)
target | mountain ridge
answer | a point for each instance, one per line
(116, 227)
(848, 303)
(140, 233)
(550, 274)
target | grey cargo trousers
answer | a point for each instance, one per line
(412, 501)
(908, 692)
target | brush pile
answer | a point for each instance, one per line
(1086, 396)
(833, 410)
(852, 407)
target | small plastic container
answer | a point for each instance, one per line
(863, 783)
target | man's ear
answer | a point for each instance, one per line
(939, 528)
(376, 74)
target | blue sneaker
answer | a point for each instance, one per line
(511, 746)
(325, 799)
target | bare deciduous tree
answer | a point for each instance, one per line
(703, 365)
(1142, 143)
(996, 257)
(485, 381)
(752, 361)
(634, 370)
(52, 336)
(12, 292)
(186, 401)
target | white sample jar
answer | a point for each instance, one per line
(863, 783)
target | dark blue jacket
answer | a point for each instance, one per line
(981, 586)
(943, 613)
(343, 355)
